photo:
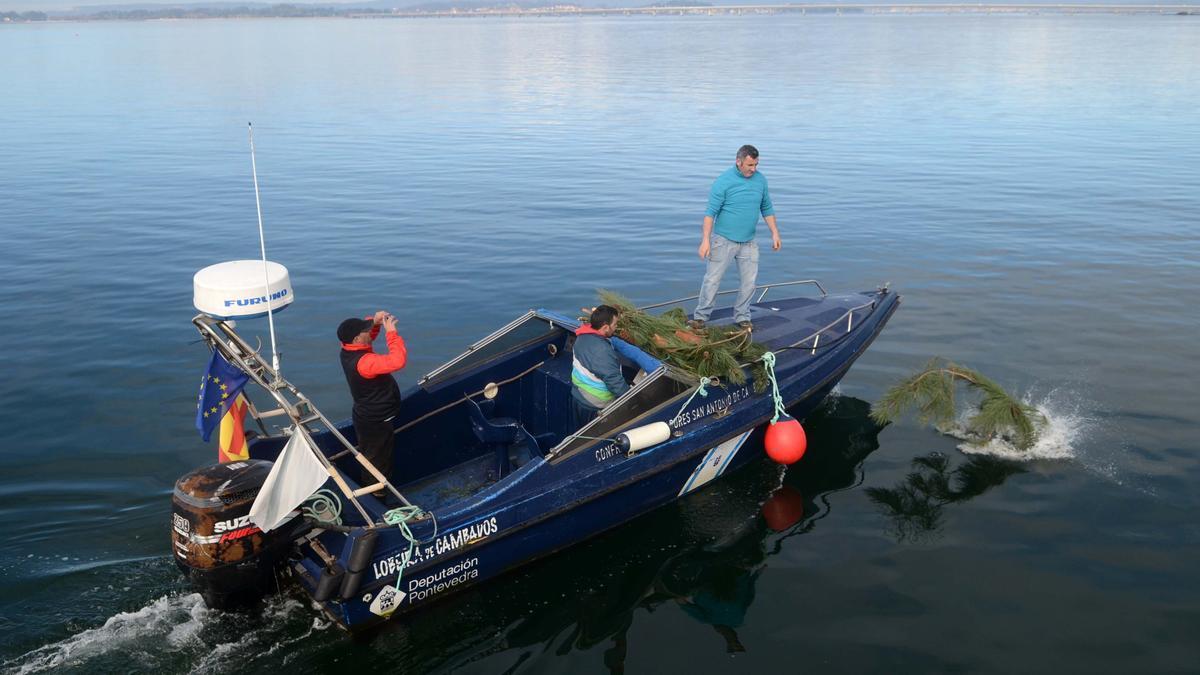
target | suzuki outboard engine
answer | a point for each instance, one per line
(228, 560)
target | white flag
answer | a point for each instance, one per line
(297, 474)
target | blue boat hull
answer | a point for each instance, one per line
(549, 504)
(517, 546)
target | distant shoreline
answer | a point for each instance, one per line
(561, 10)
(811, 9)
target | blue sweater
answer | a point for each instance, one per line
(735, 203)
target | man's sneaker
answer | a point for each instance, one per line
(696, 324)
(745, 325)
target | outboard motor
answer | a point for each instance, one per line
(228, 560)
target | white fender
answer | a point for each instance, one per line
(640, 438)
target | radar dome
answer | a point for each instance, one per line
(239, 290)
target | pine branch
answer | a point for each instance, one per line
(716, 351)
(932, 392)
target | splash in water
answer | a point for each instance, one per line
(1065, 424)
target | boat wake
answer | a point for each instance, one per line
(175, 633)
(168, 621)
(1066, 424)
(286, 624)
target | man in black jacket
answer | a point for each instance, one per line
(376, 394)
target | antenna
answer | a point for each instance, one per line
(262, 242)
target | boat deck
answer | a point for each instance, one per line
(786, 321)
(453, 484)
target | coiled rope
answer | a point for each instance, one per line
(324, 507)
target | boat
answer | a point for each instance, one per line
(487, 474)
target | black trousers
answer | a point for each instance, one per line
(376, 441)
(581, 413)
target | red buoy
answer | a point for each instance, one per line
(784, 509)
(785, 441)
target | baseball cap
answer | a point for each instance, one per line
(350, 328)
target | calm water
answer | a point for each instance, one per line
(1031, 184)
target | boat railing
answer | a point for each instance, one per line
(292, 403)
(834, 330)
(764, 288)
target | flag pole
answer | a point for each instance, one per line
(262, 242)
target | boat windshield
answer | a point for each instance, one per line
(660, 389)
(524, 331)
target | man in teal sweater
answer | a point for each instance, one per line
(737, 198)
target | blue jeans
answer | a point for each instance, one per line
(722, 253)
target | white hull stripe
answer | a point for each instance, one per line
(714, 463)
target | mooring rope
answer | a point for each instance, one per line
(701, 390)
(400, 517)
(768, 358)
(594, 438)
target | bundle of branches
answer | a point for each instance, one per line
(932, 390)
(714, 351)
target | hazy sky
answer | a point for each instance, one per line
(58, 5)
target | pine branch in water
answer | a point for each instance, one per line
(932, 392)
(998, 412)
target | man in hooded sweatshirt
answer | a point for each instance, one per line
(596, 368)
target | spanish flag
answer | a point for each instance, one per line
(232, 446)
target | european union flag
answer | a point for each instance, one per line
(218, 391)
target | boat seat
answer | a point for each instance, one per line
(498, 434)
